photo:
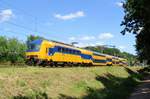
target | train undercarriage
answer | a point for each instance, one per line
(51, 63)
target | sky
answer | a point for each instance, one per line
(88, 22)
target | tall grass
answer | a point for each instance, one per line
(79, 82)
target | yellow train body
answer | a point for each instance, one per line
(109, 60)
(51, 52)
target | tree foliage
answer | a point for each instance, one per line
(137, 21)
(33, 37)
(12, 50)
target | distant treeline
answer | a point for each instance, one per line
(13, 50)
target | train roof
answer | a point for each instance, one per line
(97, 53)
(70, 46)
(62, 43)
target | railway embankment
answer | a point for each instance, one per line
(66, 83)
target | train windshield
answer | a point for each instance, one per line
(34, 46)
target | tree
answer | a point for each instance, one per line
(12, 50)
(3, 48)
(137, 21)
(16, 50)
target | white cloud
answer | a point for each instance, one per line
(99, 43)
(82, 38)
(122, 47)
(72, 38)
(6, 15)
(119, 4)
(87, 38)
(105, 36)
(85, 44)
(70, 16)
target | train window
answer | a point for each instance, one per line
(50, 51)
(59, 49)
(69, 51)
(66, 50)
(63, 50)
(73, 51)
(76, 52)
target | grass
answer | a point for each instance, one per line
(78, 82)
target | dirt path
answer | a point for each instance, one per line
(143, 90)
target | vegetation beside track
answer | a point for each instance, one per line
(78, 82)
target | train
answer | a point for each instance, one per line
(52, 53)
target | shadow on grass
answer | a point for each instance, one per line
(36, 95)
(115, 87)
(62, 96)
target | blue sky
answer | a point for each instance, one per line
(89, 22)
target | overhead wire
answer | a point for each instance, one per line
(24, 13)
(27, 14)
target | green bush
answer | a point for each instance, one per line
(12, 50)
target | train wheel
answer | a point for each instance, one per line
(69, 64)
(30, 62)
(83, 64)
(90, 64)
(65, 64)
(79, 65)
(51, 63)
(55, 64)
(44, 63)
(76, 64)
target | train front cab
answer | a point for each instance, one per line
(36, 52)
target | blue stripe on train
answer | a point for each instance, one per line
(68, 51)
(63, 50)
(99, 61)
(52, 51)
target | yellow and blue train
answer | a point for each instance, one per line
(53, 53)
